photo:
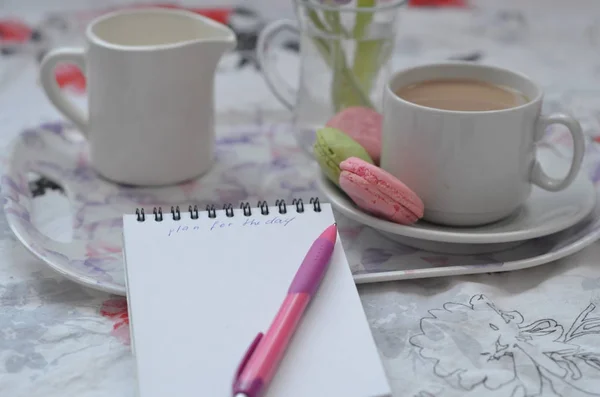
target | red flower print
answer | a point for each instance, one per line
(116, 310)
(70, 77)
(13, 31)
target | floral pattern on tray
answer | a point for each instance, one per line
(94, 258)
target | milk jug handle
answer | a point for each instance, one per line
(51, 88)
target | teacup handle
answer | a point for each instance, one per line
(57, 97)
(267, 38)
(538, 176)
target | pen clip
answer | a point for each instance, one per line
(247, 356)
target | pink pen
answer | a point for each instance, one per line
(264, 354)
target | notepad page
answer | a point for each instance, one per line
(200, 290)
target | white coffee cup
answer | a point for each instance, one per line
(470, 167)
(150, 76)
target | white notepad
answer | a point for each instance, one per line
(199, 290)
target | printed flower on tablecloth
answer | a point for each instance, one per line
(69, 76)
(116, 310)
(478, 347)
(14, 31)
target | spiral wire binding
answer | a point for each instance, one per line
(158, 215)
(176, 213)
(193, 212)
(299, 205)
(211, 210)
(316, 204)
(141, 216)
(245, 206)
(281, 205)
(264, 207)
(212, 213)
(228, 210)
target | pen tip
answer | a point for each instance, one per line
(330, 233)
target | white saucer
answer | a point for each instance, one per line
(542, 214)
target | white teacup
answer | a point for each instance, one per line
(150, 76)
(470, 167)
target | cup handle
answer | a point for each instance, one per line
(50, 85)
(278, 85)
(538, 176)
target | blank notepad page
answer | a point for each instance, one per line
(199, 290)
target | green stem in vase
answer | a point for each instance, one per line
(319, 42)
(345, 89)
(370, 54)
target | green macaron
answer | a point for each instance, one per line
(333, 146)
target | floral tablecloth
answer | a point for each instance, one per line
(534, 332)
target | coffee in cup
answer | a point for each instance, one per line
(461, 95)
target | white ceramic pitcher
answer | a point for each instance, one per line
(150, 76)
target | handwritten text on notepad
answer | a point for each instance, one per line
(245, 222)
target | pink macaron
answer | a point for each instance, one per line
(379, 192)
(363, 125)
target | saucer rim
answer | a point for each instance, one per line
(344, 205)
(508, 266)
